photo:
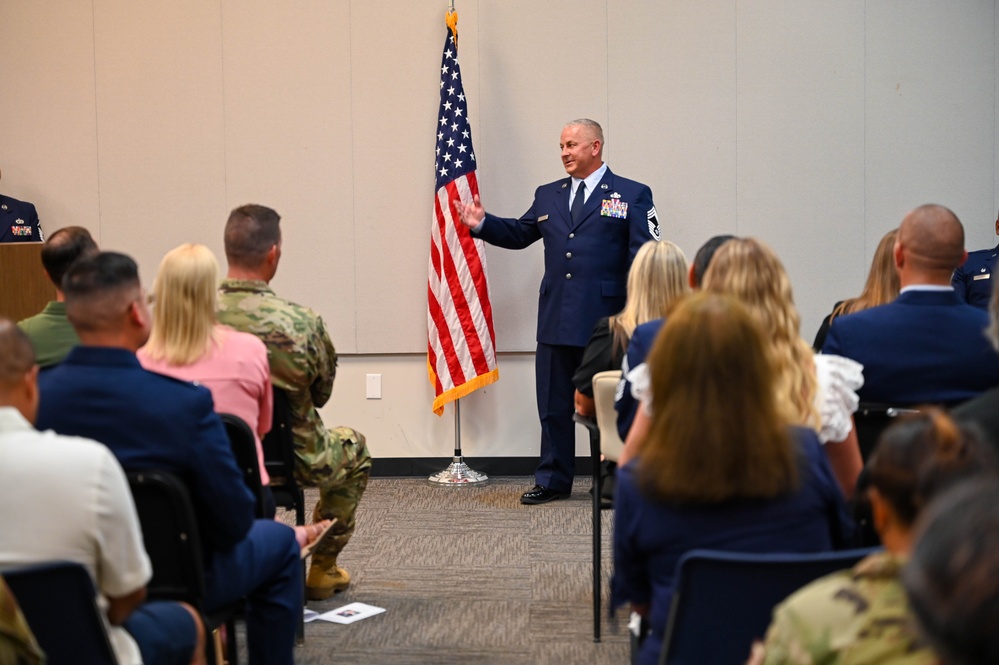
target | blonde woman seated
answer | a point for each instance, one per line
(188, 344)
(862, 615)
(657, 278)
(882, 286)
(719, 467)
(816, 391)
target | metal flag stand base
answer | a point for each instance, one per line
(458, 473)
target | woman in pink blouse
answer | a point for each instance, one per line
(187, 343)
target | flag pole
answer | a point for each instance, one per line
(458, 473)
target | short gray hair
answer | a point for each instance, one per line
(592, 124)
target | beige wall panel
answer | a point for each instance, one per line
(48, 140)
(801, 143)
(931, 112)
(395, 88)
(287, 73)
(540, 65)
(159, 126)
(496, 421)
(672, 120)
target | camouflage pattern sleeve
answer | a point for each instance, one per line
(848, 618)
(323, 358)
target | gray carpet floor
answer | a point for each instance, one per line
(468, 575)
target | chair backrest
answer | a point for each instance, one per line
(170, 533)
(871, 420)
(279, 458)
(58, 601)
(604, 386)
(722, 601)
(244, 449)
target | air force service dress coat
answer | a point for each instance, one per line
(586, 264)
(585, 279)
(18, 221)
(973, 281)
(926, 347)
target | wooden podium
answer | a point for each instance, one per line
(24, 287)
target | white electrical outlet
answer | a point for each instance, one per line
(374, 386)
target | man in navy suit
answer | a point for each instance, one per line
(150, 421)
(18, 221)
(973, 280)
(927, 346)
(592, 224)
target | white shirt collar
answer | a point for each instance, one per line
(591, 181)
(926, 287)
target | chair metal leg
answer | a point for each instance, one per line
(595, 456)
(300, 628)
(230, 642)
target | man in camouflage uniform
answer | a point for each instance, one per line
(847, 618)
(303, 363)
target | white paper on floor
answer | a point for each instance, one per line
(346, 614)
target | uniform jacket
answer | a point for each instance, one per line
(925, 347)
(586, 264)
(18, 221)
(150, 421)
(973, 281)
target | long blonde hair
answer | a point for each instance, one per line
(882, 284)
(185, 290)
(750, 270)
(718, 434)
(656, 280)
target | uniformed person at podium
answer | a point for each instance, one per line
(18, 221)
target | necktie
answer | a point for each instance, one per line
(577, 203)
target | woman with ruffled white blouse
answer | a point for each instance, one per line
(817, 391)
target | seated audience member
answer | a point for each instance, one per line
(50, 331)
(151, 421)
(645, 334)
(972, 281)
(813, 391)
(926, 347)
(67, 499)
(187, 343)
(656, 280)
(303, 363)
(881, 287)
(861, 615)
(767, 488)
(17, 644)
(984, 409)
(19, 221)
(952, 578)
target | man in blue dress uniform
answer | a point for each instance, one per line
(18, 221)
(592, 224)
(973, 280)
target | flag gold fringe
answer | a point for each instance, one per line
(459, 391)
(451, 18)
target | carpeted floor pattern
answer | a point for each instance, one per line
(468, 575)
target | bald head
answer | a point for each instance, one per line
(930, 245)
(17, 357)
(18, 371)
(63, 248)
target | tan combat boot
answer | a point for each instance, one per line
(325, 578)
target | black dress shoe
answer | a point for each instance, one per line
(539, 494)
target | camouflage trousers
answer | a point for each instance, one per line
(340, 486)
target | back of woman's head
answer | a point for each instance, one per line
(185, 291)
(716, 432)
(656, 280)
(882, 285)
(923, 455)
(750, 270)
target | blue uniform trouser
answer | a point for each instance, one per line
(266, 569)
(554, 366)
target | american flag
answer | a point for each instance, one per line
(461, 354)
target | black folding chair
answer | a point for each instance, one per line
(244, 449)
(279, 458)
(59, 603)
(170, 533)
